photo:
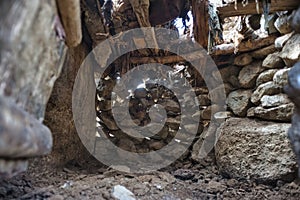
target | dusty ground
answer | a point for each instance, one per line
(182, 180)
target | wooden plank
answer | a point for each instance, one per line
(250, 9)
(200, 16)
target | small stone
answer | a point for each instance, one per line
(273, 61)
(215, 187)
(281, 113)
(268, 101)
(247, 76)
(207, 112)
(220, 92)
(281, 77)
(281, 41)
(205, 143)
(140, 93)
(156, 145)
(265, 76)
(262, 53)
(243, 60)
(291, 51)
(173, 123)
(122, 193)
(222, 116)
(269, 88)
(226, 72)
(200, 90)
(171, 105)
(204, 100)
(239, 102)
(282, 24)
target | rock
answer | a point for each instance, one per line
(215, 187)
(281, 77)
(157, 145)
(273, 61)
(248, 75)
(218, 92)
(239, 102)
(243, 59)
(109, 121)
(268, 101)
(281, 113)
(122, 193)
(282, 24)
(291, 51)
(9, 168)
(265, 76)
(221, 116)
(200, 90)
(262, 53)
(281, 41)
(205, 143)
(227, 72)
(251, 149)
(207, 112)
(171, 106)
(204, 100)
(268, 88)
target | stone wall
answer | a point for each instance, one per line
(253, 143)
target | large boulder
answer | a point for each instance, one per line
(251, 149)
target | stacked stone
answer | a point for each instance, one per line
(261, 82)
(140, 104)
(254, 144)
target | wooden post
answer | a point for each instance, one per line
(200, 15)
(69, 11)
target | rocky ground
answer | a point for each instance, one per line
(181, 180)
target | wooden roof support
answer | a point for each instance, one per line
(245, 46)
(250, 9)
(201, 27)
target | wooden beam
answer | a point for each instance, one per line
(175, 59)
(246, 46)
(21, 135)
(200, 16)
(250, 9)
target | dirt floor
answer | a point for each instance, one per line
(182, 180)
